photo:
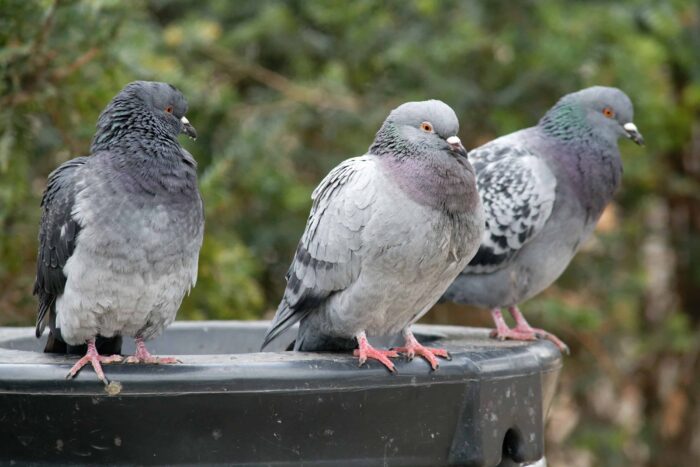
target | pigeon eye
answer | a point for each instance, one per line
(169, 109)
(427, 127)
(608, 112)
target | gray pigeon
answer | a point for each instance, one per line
(543, 190)
(388, 232)
(121, 229)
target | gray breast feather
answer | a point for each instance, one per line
(517, 191)
(115, 256)
(328, 257)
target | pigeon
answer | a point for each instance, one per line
(543, 190)
(121, 230)
(387, 234)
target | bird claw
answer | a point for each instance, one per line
(529, 334)
(412, 348)
(152, 360)
(429, 353)
(142, 355)
(382, 356)
(513, 334)
(96, 360)
(522, 330)
(542, 334)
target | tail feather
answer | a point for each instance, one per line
(285, 318)
(45, 314)
(55, 345)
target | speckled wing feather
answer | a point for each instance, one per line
(57, 236)
(328, 258)
(517, 191)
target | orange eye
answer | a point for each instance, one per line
(608, 112)
(169, 109)
(427, 127)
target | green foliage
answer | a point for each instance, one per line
(280, 92)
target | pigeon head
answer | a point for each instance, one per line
(600, 112)
(417, 128)
(157, 109)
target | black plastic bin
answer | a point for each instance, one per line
(228, 404)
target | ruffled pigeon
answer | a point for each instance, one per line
(121, 230)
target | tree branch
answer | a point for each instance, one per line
(273, 80)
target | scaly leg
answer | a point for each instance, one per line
(522, 330)
(412, 348)
(365, 351)
(95, 359)
(521, 325)
(142, 355)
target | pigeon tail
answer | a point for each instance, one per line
(285, 318)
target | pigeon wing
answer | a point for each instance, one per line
(57, 236)
(328, 258)
(518, 192)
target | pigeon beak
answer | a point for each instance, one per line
(633, 133)
(456, 146)
(187, 128)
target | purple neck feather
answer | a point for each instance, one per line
(593, 169)
(439, 180)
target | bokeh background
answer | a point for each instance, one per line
(280, 92)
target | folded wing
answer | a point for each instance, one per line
(517, 191)
(57, 236)
(329, 255)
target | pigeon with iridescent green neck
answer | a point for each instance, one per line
(543, 190)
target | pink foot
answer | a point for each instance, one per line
(95, 359)
(365, 351)
(514, 334)
(522, 330)
(142, 355)
(413, 348)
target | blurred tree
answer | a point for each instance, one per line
(280, 92)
